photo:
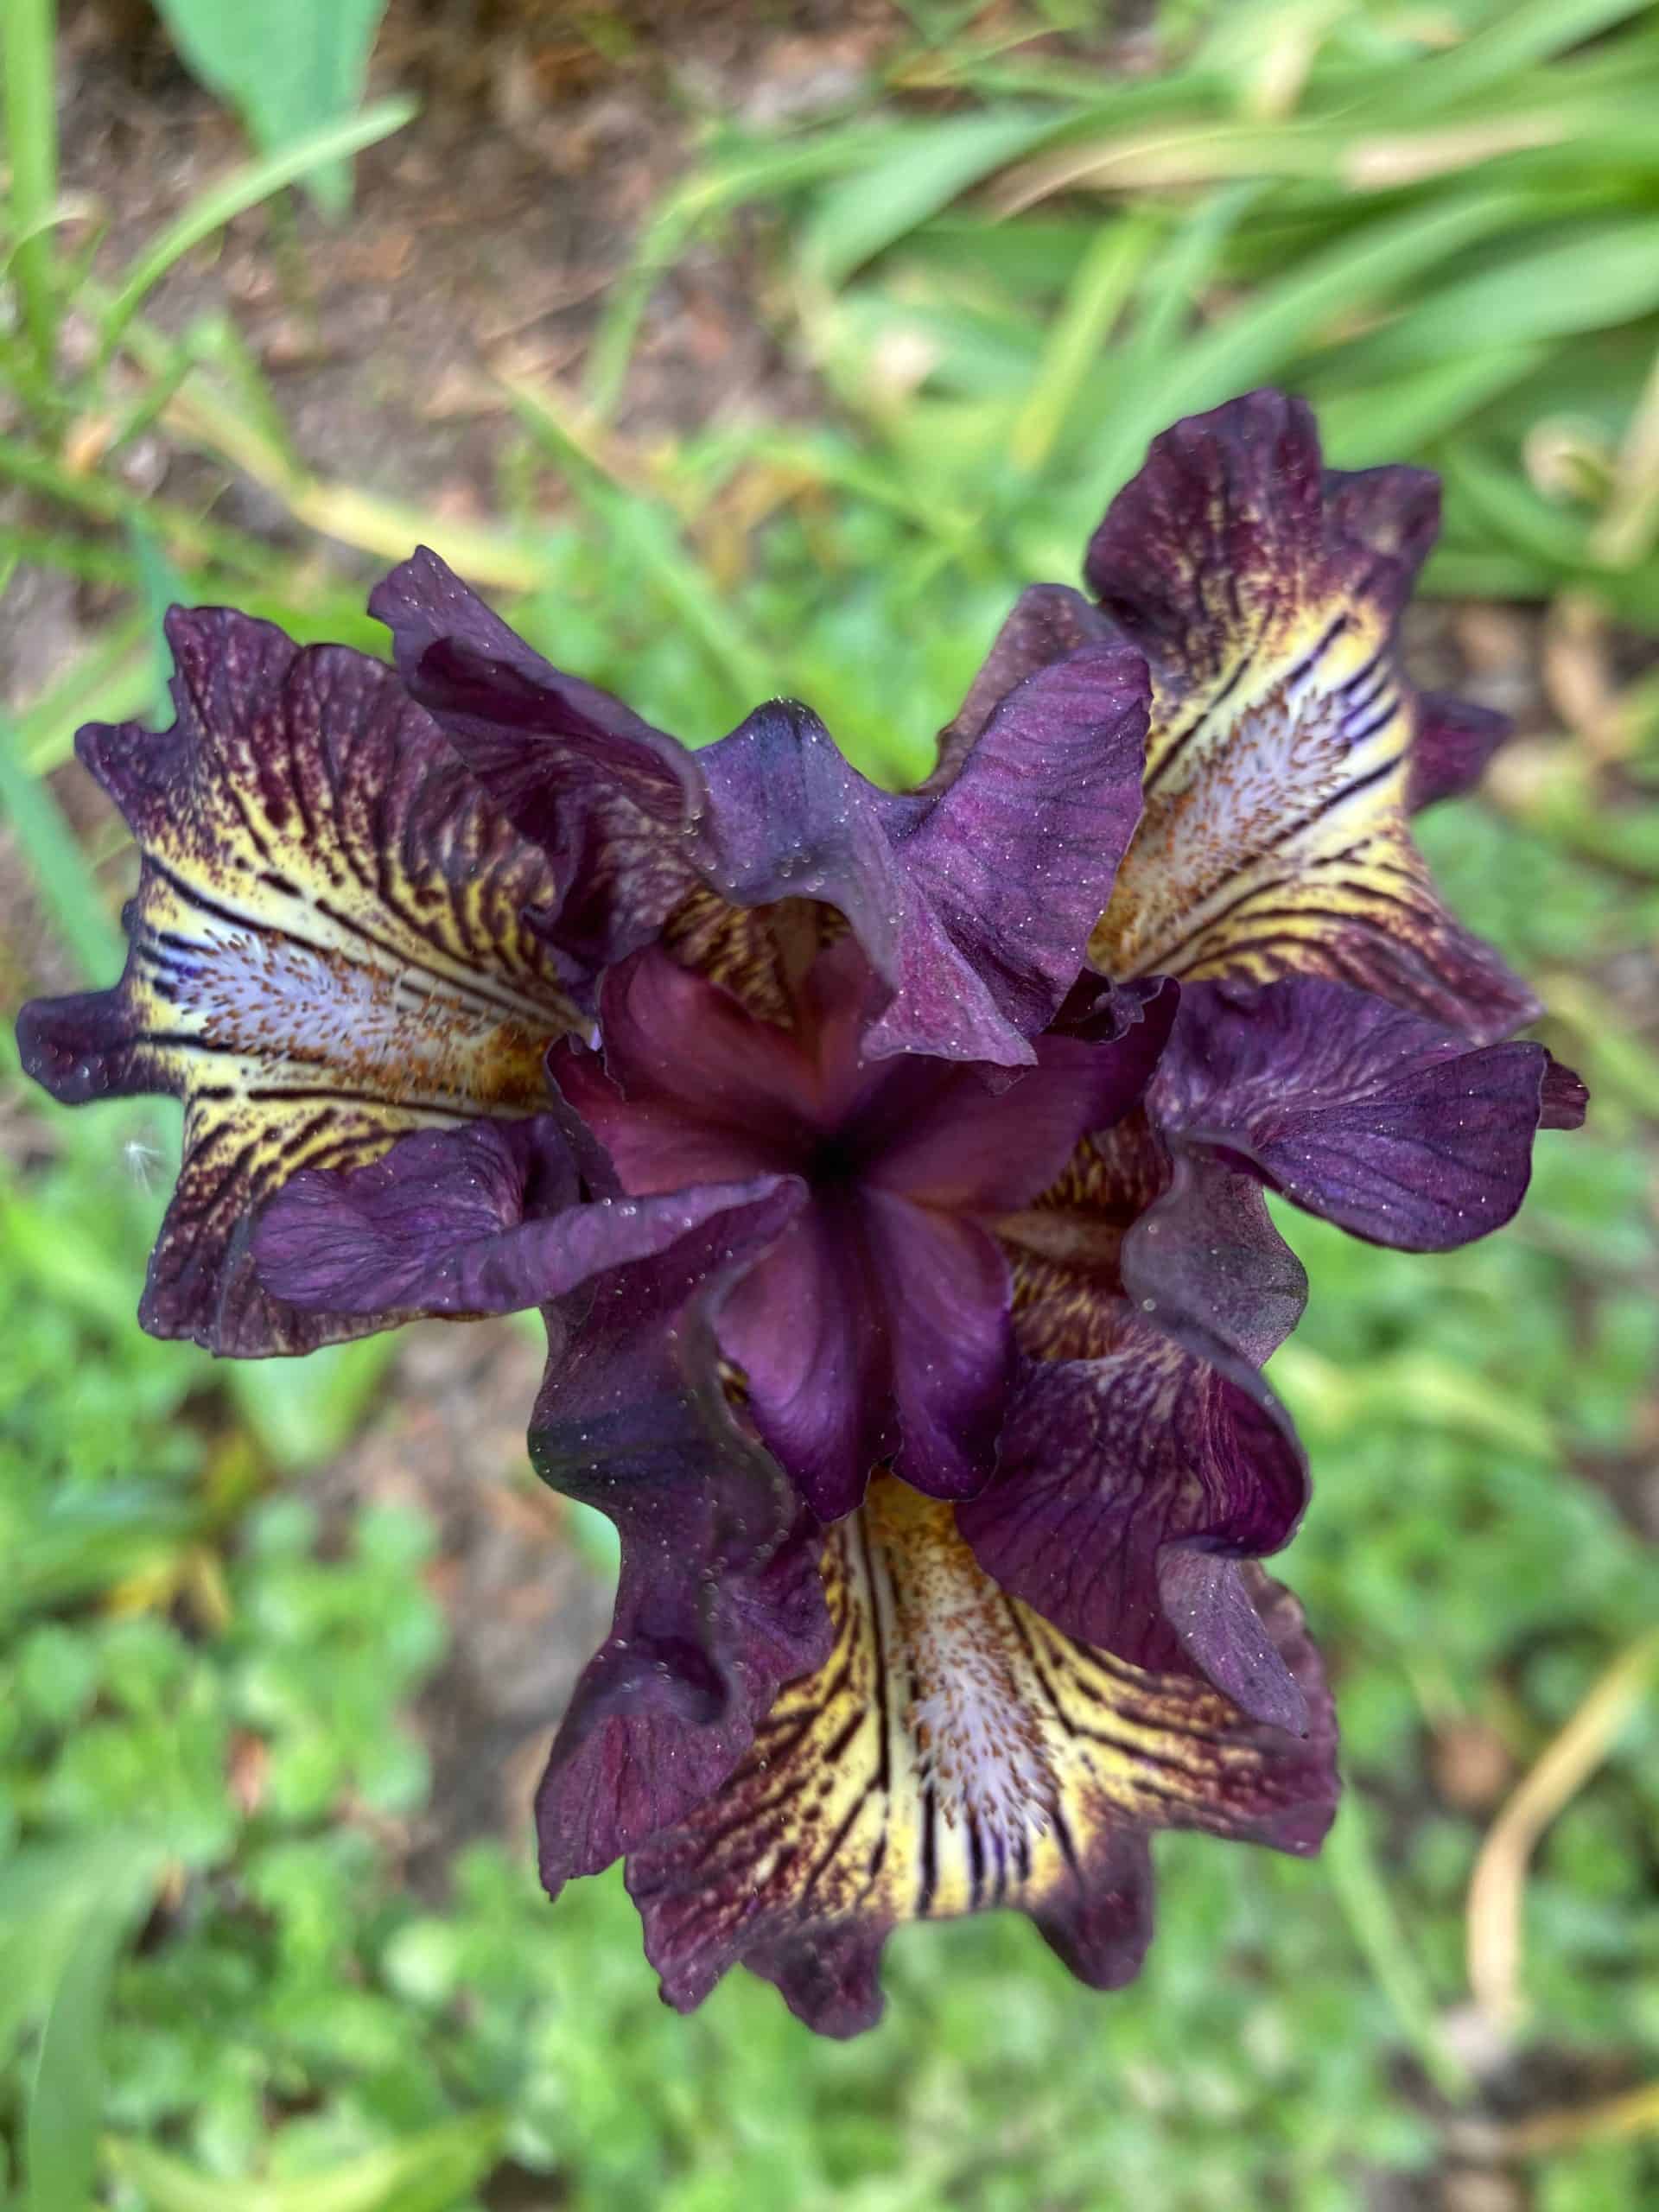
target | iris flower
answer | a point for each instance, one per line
(889, 1169)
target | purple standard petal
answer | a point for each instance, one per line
(457, 1222)
(1048, 622)
(327, 951)
(720, 1600)
(972, 905)
(954, 1753)
(1392, 1126)
(1266, 593)
(948, 1137)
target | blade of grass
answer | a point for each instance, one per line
(246, 188)
(874, 210)
(1260, 339)
(1497, 1889)
(30, 43)
(1517, 37)
(50, 853)
(1095, 300)
(1375, 1928)
(653, 536)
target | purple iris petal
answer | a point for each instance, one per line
(720, 1600)
(810, 1328)
(480, 1220)
(973, 905)
(1391, 1126)
(879, 1325)
(327, 951)
(1106, 1467)
(1455, 739)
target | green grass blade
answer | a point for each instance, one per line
(57, 863)
(875, 209)
(30, 40)
(1096, 299)
(246, 188)
(66, 2107)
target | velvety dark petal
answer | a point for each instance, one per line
(1455, 739)
(811, 1332)
(1048, 623)
(1393, 1126)
(954, 1753)
(972, 905)
(1565, 1098)
(482, 1220)
(968, 1146)
(945, 1287)
(326, 950)
(604, 795)
(1106, 1467)
(720, 1601)
(1026, 838)
(690, 1088)
(1205, 1265)
(1265, 591)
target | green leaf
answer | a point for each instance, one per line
(287, 71)
(245, 187)
(856, 221)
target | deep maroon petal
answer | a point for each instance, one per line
(1393, 1126)
(1455, 739)
(601, 792)
(481, 1220)
(809, 1329)
(720, 1600)
(690, 1088)
(956, 1752)
(973, 905)
(1106, 1468)
(1266, 593)
(955, 1141)
(944, 1285)
(1205, 1265)
(327, 951)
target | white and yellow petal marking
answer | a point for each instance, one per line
(328, 947)
(955, 1752)
(1266, 592)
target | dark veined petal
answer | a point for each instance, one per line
(971, 1147)
(1392, 1125)
(809, 1329)
(1265, 591)
(1047, 622)
(1110, 1472)
(720, 1601)
(972, 905)
(604, 795)
(326, 950)
(1142, 1437)
(954, 1753)
(482, 1220)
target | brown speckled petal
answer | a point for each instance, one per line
(954, 1753)
(326, 950)
(1266, 592)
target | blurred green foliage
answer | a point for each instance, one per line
(218, 1997)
